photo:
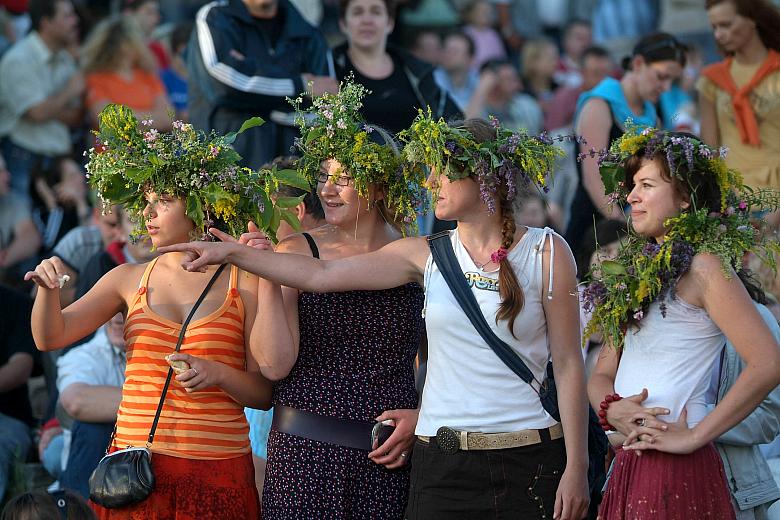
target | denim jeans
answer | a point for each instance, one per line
(507, 483)
(14, 444)
(52, 456)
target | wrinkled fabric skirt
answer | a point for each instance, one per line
(189, 489)
(665, 486)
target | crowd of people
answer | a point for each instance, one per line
(574, 154)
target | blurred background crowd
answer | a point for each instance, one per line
(525, 62)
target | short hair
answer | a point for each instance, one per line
(390, 5)
(496, 64)
(574, 23)
(464, 36)
(40, 9)
(181, 34)
(596, 52)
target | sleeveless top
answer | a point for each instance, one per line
(207, 424)
(467, 386)
(583, 213)
(673, 357)
(356, 353)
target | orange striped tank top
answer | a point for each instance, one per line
(207, 424)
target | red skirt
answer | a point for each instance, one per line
(189, 489)
(665, 486)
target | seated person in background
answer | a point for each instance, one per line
(58, 191)
(118, 252)
(499, 94)
(596, 65)
(120, 69)
(19, 240)
(17, 357)
(90, 379)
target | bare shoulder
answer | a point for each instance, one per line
(561, 248)
(414, 248)
(295, 243)
(707, 266)
(594, 107)
(127, 275)
(706, 279)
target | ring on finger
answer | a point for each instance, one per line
(403, 454)
(642, 422)
(195, 370)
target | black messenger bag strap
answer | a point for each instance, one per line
(178, 347)
(444, 257)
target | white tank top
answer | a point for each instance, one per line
(467, 386)
(673, 357)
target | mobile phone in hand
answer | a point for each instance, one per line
(380, 433)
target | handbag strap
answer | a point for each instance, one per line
(178, 347)
(444, 257)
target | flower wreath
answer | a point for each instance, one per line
(621, 290)
(334, 129)
(496, 163)
(131, 158)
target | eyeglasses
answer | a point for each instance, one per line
(341, 180)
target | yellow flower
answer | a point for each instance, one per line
(225, 208)
(631, 144)
(643, 290)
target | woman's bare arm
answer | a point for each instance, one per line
(53, 327)
(277, 326)
(401, 261)
(710, 133)
(562, 314)
(593, 124)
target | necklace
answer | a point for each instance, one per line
(481, 266)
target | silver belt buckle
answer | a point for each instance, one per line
(448, 440)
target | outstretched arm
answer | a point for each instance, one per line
(397, 263)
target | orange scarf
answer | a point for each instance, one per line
(720, 74)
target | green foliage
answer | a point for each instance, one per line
(131, 159)
(334, 129)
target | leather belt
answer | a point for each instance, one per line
(450, 440)
(350, 433)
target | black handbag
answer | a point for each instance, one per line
(444, 257)
(125, 477)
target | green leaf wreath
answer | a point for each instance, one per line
(131, 158)
(334, 129)
(621, 290)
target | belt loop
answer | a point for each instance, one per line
(464, 440)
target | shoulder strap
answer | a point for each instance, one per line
(444, 256)
(178, 347)
(315, 251)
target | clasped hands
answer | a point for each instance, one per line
(642, 429)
